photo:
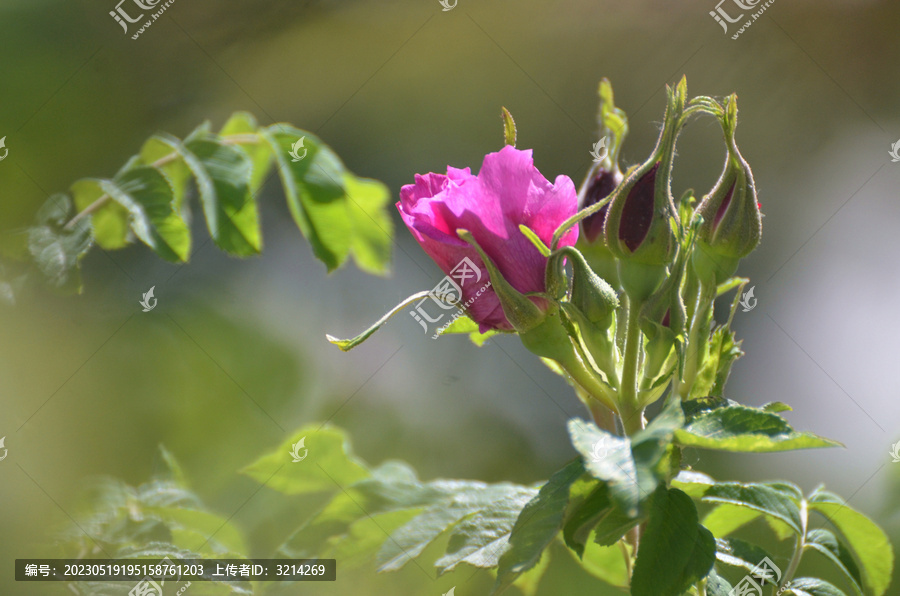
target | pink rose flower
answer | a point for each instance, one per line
(507, 192)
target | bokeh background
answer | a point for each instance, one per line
(89, 385)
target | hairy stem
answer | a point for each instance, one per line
(628, 386)
(705, 295)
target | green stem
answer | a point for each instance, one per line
(799, 547)
(705, 296)
(628, 386)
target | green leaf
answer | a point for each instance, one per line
(328, 466)
(740, 428)
(480, 516)
(56, 250)
(392, 488)
(372, 227)
(723, 351)
(870, 546)
(585, 512)
(537, 525)
(675, 551)
(717, 585)
(465, 325)
(694, 484)
(768, 499)
(215, 532)
(318, 197)
(481, 539)
(738, 553)
(244, 124)
(606, 562)
(158, 153)
(223, 180)
(528, 582)
(110, 222)
(826, 543)
(616, 467)
(147, 196)
(725, 519)
(810, 586)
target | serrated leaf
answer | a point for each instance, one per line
(317, 194)
(537, 525)
(328, 466)
(110, 222)
(482, 512)
(244, 124)
(739, 428)
(585, 514)
(764, 498)
(738, 553)
(616, 467)
(694, 484)
(675, 551)
(156, 152)
(723, 351)
(372, 227)
(147, 196)
(725, 519)
(481, 539)
(827, 544)
(811, 586)
(870, 546)
(57, 250)
(223, 175)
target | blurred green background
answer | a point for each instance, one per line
(90, 385)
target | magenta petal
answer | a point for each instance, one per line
(507, 192)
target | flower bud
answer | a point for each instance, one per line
(638, 231)
(590, 293)
(732, 224)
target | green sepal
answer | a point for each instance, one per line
(520, 311)
(348, 344)
(509, 127)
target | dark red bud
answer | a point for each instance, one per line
(600, 187)
(637, 212)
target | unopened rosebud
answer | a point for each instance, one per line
(732, 224)
(601, 185)
(593, 296)
(638, 229)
